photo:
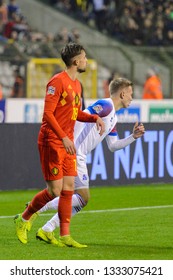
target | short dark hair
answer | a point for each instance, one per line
(70, 51)
(119, 84)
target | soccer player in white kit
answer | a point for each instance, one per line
(86, 139)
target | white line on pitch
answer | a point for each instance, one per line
(107, 210)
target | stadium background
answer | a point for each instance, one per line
(20, 118)
(123, 220)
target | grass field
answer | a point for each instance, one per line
(119, 223)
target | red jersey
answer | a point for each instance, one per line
(62, 109)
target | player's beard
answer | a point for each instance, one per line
(80, 70)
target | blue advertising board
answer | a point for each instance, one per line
(147, 160)
(31, 113)
(2, 110)
(131, 114)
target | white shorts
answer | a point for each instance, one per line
(82, 179)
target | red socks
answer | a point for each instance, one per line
(64, 211)
(64, 208)
(39, 200)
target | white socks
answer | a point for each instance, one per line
(53, 223)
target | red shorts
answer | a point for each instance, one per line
(56, 162)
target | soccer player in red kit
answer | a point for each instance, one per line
(62, 108)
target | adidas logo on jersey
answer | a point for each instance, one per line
(84, 177)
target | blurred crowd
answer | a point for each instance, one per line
(13, 24)
(136, 22)
(14, 28)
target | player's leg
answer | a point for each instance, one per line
(22, 220)
(64, 211)
(46, 232)
(51, 205)
(81, 194)
(80, 197)
(65, 195)
(40, 199)
(79, 200)
(77, 205)
(48, 236)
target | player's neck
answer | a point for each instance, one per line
(72, 73)
(117, 103)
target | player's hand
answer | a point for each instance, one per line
(100, 126)
(69, 145)
(138, 130)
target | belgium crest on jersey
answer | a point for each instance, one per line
(77, 99)
(55, 170)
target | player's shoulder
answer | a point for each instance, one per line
(58, 76)
(56, 80)
(101, 107)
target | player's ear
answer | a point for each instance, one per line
(122, 94)
(75, 62)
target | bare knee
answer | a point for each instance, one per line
(54, 188)
(54, 192)
(85, 194)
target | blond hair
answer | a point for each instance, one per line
(119, 84)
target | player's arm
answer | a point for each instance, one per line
(101, 108)
(138, 130)
(85, 117)
(49, 117)
(115, 144)
(51, 101)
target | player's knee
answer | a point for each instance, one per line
(85, 195)
(53, 192)
(86, 199)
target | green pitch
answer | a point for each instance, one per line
(119, 223)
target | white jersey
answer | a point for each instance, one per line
(87, 136)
